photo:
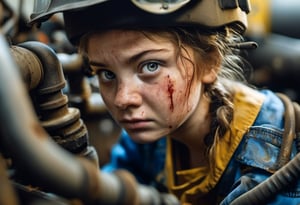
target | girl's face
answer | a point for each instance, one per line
(147, 89)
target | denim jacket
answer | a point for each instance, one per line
(250, 160)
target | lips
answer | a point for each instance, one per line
(134, 124)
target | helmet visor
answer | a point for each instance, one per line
(160, 6)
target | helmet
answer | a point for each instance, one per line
(81, 16)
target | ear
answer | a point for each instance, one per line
(209, 75)
(212, 65)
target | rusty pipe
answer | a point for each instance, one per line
(30, 66)
(8, 194)
(42, 70)
(27, 142)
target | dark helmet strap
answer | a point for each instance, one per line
(233, 4)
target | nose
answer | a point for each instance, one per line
(127, 95)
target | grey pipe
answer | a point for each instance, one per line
(62, 122)
(28, 143)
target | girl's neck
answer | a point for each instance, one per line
(193, 132)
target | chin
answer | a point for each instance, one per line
(145, 137)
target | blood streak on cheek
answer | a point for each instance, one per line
(170, 93)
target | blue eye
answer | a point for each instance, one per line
(150, 67)
(106, 75)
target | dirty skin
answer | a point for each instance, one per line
(170, 90)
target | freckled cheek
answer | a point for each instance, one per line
(107, 98)
(175, 101)
(181, 111)
(158, 96)
(155, 93)
(180, 102)
(180, 96)
(185, 99)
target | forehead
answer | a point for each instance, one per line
(116, 37)
(122, 41)
(125, 37)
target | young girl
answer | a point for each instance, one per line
(171, 76)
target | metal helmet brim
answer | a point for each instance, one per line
(82, 16)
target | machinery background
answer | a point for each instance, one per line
(66, 99)
(276, 62)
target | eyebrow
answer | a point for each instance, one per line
(94, 63)
(131, 59)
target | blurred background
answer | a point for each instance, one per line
(273, 24)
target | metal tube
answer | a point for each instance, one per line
(28, 143)
(63, 123)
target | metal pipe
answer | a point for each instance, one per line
(269, 188)
(284, 17)
(63, 123)
(28, 143)
(8, 195)
(30, 66)
(288, 133)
